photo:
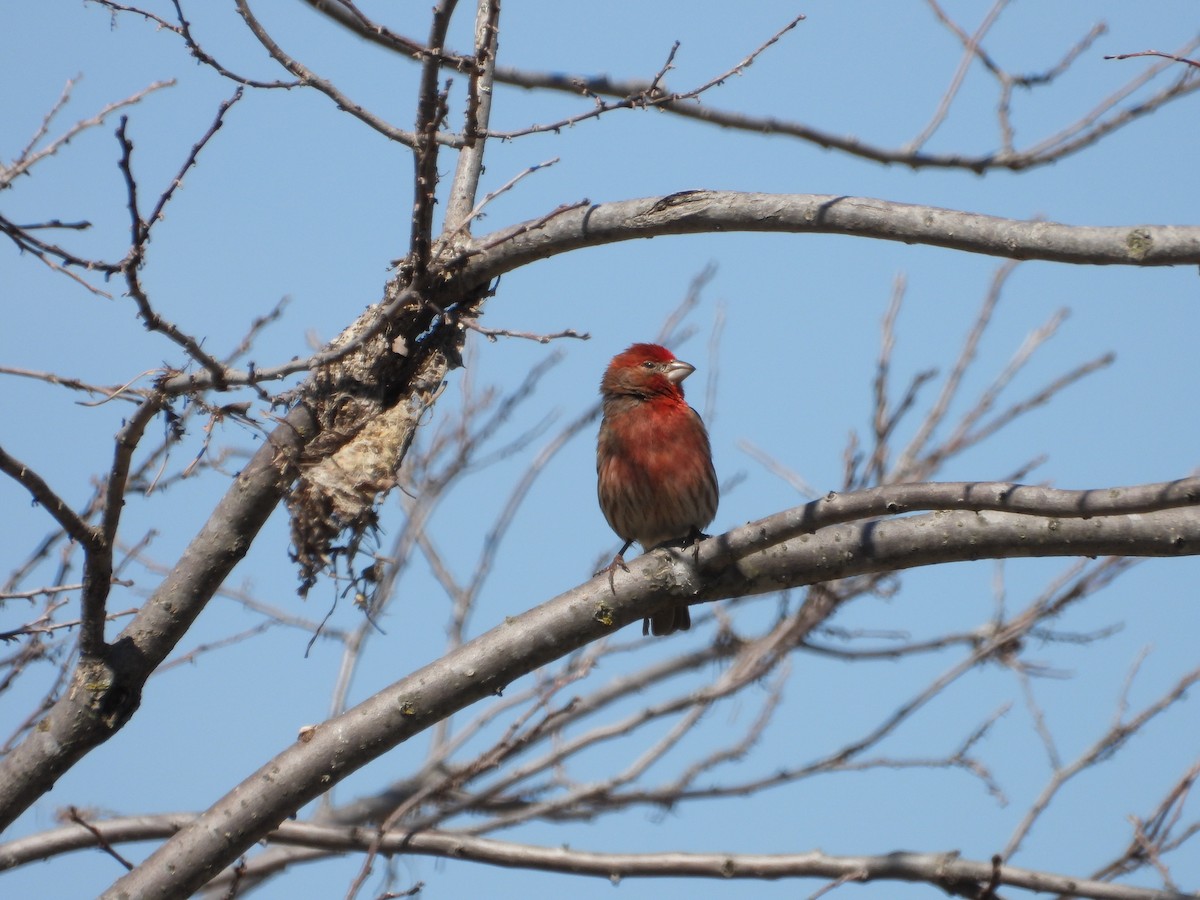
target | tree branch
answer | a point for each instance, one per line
(575, 226)
(323, 85)
(105, 693)
(760, 563)
(29, 157)
(431, 113)
(478, 114)
(91, 538)
(946, 870)
(703, 211)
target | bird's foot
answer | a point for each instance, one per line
(617, 563)
(694, 539)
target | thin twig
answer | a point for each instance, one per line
(652, 94)
(1171, 56)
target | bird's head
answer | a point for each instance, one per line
(645, 370)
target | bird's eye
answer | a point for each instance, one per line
(648, 364)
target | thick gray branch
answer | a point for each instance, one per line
(759, 557)
(840, 551)
(694, 212)
(998, 496)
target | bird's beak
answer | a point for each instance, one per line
(678, 370)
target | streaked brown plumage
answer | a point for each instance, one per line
(655, 477)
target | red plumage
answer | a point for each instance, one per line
(655, 477)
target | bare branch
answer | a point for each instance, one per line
(75, 816)
(460, 206)
(122, 392)
(139, 236)
(432, 109)
(696, 212)
(639, 93)
(966, 356)
(348, 16)
(492, 334)
(56, 258)
(970, 52)
(1088, 130)
(528, 641)
(1103, 748)
(450, 236)
(30, 157)
(43, 625)
(1093, 126)
(793, 479)
(225, 106)
(326, 87)
(1157, 833)
(43, 495)
(945, 870)
(528, 756)
(79, 720)
(649, 94)
(1170, 56)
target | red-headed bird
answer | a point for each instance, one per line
(655, 476)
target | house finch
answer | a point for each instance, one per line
(655, 476)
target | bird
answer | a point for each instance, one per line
(654, 472)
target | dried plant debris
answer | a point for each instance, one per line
(368, 404)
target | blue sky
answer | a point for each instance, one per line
(297, 199)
